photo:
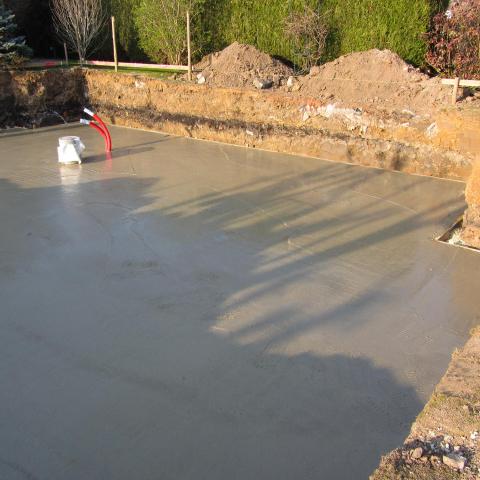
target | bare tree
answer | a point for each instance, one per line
(308, 32)
(162, 28)
(78, 22)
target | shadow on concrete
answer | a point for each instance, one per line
(171, 336)
(123, 152)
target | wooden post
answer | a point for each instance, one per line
(115, 59)
(455, 90)
(189, 48)
(66, 53)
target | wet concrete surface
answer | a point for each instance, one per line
(191, 310)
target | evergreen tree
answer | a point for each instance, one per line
(12, 48)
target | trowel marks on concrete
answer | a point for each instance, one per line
(193, 310)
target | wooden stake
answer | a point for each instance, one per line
(66, 53)
(189, 48)
(455, 90)
(115, 59)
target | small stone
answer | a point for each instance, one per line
(200, 79)
(432, 131)
(454, 460)
(290, 82)
(262, 84)
(417, 453)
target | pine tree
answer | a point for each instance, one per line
(12, 48)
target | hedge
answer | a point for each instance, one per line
(399, 25)
(355, 25)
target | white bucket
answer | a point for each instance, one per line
(70, 149)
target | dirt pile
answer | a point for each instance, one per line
(378, 78)
(239, 66)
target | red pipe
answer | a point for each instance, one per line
(99, 130)
(103, 126)
(109, 138)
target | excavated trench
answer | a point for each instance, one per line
(442, 143)
(138, 224)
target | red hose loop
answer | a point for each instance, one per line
(107, 133)
(102, 126)
(100, 130)
(103, 134)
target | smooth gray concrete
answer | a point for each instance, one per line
(190, 310)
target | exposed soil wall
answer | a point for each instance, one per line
(35, 99)
(441, 143)
(286, 122)
(471, 219)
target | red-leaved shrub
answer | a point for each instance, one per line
(454, 40)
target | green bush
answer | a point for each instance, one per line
(399, 25)
(126, 30)
(355, 25)
(256, 22)
(162, 28)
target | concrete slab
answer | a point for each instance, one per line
(192, 310)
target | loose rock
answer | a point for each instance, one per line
(454, 460)
(417, 453)
(262, 84)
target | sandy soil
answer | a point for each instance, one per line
(471, 232)
(374, 77)
(239, 65)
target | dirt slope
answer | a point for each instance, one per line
(239, 65)
(375, 77)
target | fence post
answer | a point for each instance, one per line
(115, 59)
(189, 48)
(66, 53)
(455, 90)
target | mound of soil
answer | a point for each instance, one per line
(239, 65)
(375, 77)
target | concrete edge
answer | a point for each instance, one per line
(450, 414)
